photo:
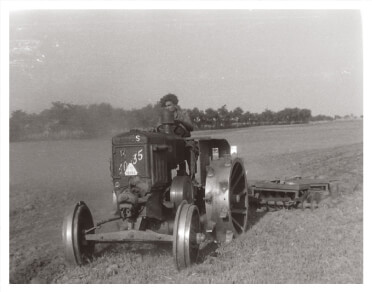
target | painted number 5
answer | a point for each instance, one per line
(137, 156)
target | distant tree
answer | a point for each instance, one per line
(294, 116)
(120, 121)
(197, 116)
(18, 123)
(223, 117)
(304, 116)
(211, 117)
(247, 118)
(267, 117)
(321, 118)
(284, 116)
(256, 119)
(61, 116)
(237, 115)
(147, 116)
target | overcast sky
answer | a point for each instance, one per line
(129, 58)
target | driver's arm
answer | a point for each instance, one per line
(185, 119)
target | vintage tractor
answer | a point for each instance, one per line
(166, 188)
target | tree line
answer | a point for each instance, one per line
(69, 121)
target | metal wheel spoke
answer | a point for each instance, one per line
(237, 223)
(234, 171)
(237, 180)
(239, 211)
(244, 192)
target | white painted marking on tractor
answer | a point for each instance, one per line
(131, 170)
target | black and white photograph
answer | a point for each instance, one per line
(203, 145)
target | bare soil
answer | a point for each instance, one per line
(320, 246)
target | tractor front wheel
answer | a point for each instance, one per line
(185, 235)
(77, 249)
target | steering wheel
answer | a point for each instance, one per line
(178, 129)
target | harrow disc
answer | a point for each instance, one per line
(77, 249)
(185, 232)
(226, 197)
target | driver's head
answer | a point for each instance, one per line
(169, 102)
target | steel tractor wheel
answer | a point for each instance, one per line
(77, 249)
(186, 231)
(226, 197)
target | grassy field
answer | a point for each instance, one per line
(323, 246)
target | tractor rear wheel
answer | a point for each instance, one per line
(77, 249)
(238, 197)
(226, 198)
(185, 235)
